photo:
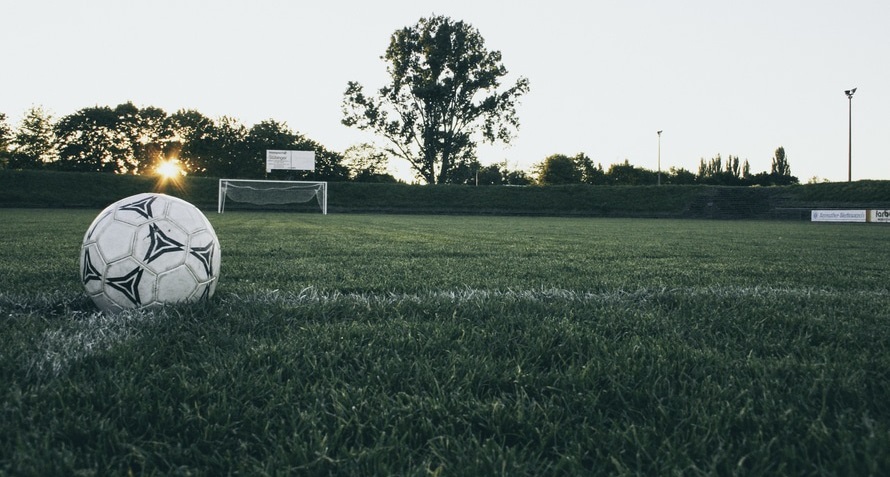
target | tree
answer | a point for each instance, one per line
(124, 140)
(590, 173)
(5, 140)
(444, 94)
(33, 145)
(191, 141)
(517, 178)
(680, 176)
(558, 169)
(367, 163)
(780, 166)
(709, 169)
(780, 171)
(90, 141)
(627, 174)
(562, 169)
(734, 173)
(226, 145)
(490, 175)
(152, 137)
(463, 172)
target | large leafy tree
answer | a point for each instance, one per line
(226, 144)
(562, 169)
(125, 139)
(152, 136)
(444, 93)
(91, 141)
(192, 140)
(367, 163)
(33, 144)
(627, 174)
(559, 169)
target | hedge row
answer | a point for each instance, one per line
(94, 190)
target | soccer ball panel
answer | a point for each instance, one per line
(129, 282)
(149, 250)
(161, 245)
(139, 209)
(102, 220)
(91, 265)
(177, 285)
(115, 240)
(206, 291)
(204, 255)
(187, 216)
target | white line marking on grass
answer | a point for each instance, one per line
(312, 295)
(82, 336)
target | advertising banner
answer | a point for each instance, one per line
(879, 215)
(290, 160)
(839, 216)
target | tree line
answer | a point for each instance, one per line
(563, 169)
(127, 139)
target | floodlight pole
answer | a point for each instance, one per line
(659, 157)
(849, 94)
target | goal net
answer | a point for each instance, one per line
(272, 193)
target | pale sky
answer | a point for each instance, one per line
(724, 77)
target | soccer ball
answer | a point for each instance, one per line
(149, 250)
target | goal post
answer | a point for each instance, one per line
(269, 192)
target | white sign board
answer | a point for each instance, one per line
(879, 215)
(290, 160)
(838, 216)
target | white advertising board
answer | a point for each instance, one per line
(290, 160)
(879, 215)
(839, 216)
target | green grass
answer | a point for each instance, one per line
(412, 345)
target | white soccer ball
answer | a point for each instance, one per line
(149, 250)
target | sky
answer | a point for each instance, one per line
(728, 77)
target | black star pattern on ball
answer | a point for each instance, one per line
(89, 271)
(128, 285)
(141, 207)
(205, 255)
(160, 244)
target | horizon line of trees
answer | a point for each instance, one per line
(127, 139)
(562, 169)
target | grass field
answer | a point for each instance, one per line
(444, 345)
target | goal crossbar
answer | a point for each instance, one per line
(271, 192)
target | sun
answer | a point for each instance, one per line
(170, 169)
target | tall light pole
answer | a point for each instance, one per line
(849, 94)
(659, 157)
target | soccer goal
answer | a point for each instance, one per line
(272, 193)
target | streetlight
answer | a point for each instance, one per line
(849, 94)
(659, 157)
